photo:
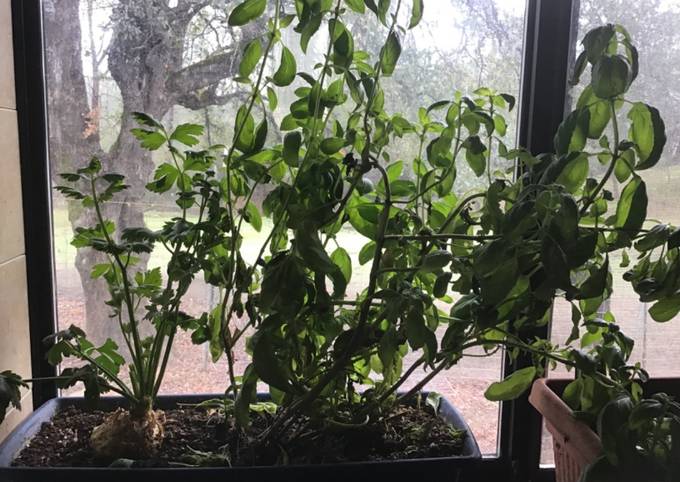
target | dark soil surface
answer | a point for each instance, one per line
(198, 437)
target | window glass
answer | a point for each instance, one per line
(177, 60)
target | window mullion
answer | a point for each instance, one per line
(548, 54)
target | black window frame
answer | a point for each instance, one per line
(549, 43)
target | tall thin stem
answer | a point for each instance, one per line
(137, 355)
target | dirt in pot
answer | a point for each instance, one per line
(199, 437)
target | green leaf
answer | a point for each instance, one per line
(510, 99)
(596, 42)
(283, 287)
(403, 188)
(441, 285)
(365, 186)
(342, 259)
(108, 357)
(287, 69)
(572, 134)
(215, 345)
(164, 178)
(251, 56)
(496, 271)
(654, 238)
(332, 145)
(245, 128)
(268, 367)
(497, 284)
(246, 396)
(574, 174)
(674, 239)
(291, 148)
(380, 10)
(436, 260)
(357, 5)
(600, 112)
(308, 31)
(311, 249)
(253, 216)
(631, 211)
(150, 140)
(246, 12)
(343, 52)
(99, 270)
(512, 387)
(146, 120)
(622, 169)
(648, 132)
(474, 154)
(260, 135)
(187, 134)
(367, 253)
(272, 98)
(416, 13)
(579, 67)
(610, 77)
(596, 284)
(417, 332)
(394, 170)
(389, 54)
(572, 393)
(500, 125)
(358, 222)
(611, 425)
(665, 309)
(10, 384)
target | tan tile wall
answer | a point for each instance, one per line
(14, 330)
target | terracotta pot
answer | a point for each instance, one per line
(575, 445)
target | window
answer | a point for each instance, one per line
(176, 60)
(652, 24)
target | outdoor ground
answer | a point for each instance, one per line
(192, 371)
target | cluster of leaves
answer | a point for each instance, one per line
(640, 440)
(640, 434)
(10, 392)
(139, 296)
(486, 266)
(501, 254)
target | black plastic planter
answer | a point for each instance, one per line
(443, 469)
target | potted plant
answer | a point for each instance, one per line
(334, 360)
(314, 190)
(607, 427)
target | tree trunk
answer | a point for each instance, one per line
(71, 139)
(145, 59)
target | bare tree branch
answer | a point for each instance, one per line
(206, 98)
(202, 74)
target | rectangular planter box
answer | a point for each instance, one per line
(445, 468)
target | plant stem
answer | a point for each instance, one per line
(112, 376)
(405, 376)
(341, 360)
(423, 382)
(137, 355)
(253, 97)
